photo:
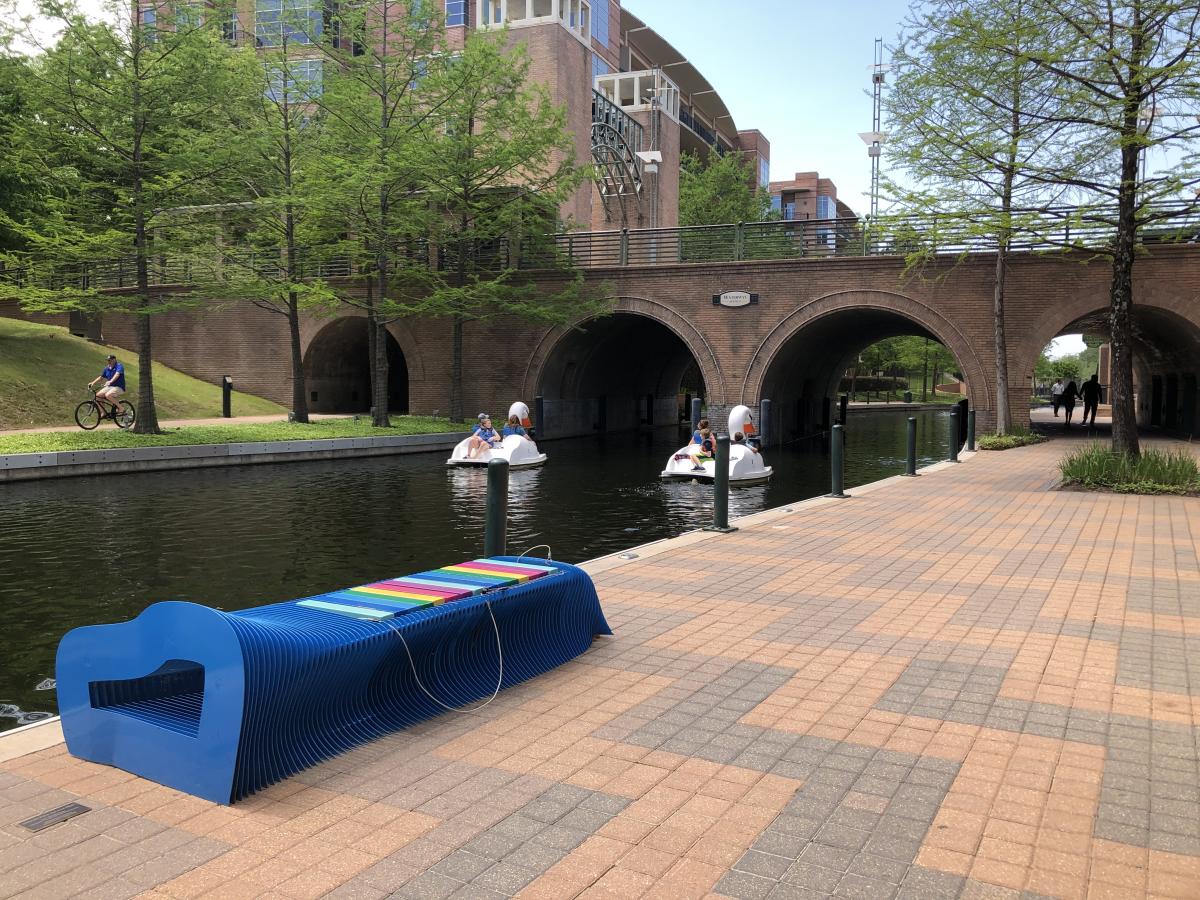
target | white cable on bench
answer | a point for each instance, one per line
(413, 666)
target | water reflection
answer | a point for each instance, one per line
(87, 550)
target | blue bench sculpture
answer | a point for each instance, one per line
(221, 705)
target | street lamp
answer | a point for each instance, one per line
(875, 139)
(1145, 120)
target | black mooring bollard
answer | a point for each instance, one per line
(837, 454)
(764, 421)
(721, 487)
(495, 530)
(696, 406)
(227, 396)
(843, 406)
(955, 436)
(539, 418)
(971, 431)
(910, 465)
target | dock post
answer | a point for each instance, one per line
(721, 487)
(971, 431)
(955, 436)
(843, 406)
(696, 406)
(837, 454)
(910, 465)
(539, 417)
(227, 397)
(495, 531)
(764, 421)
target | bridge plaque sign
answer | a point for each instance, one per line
(734, 298)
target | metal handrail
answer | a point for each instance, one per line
(950, 234)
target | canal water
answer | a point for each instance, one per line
(88, 550)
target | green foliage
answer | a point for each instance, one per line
(44, 372)
(720, 190)
(1150, 472)
(104, 438)
(1014, 438)
(23, 183)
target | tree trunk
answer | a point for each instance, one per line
(1003, 413)
(1120, 323)
(456, 366)
(147, 415)
(299, 388)
(379, 393)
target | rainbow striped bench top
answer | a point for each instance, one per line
(397, 596)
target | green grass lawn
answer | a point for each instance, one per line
(108, 437)
(44, 373)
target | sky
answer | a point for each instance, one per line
(797, 70)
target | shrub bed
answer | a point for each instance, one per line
(1153, 472)
(1008, 441)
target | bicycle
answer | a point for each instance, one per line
(90, 413)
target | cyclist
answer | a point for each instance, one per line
(113, 377)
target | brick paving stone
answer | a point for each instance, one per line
(964, 685)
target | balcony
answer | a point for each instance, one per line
(640, 91)
(573, 15)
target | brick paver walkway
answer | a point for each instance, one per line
(965, 684)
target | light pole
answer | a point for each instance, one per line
(875, 139)
(1145, 120)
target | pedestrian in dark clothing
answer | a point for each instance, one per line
(1069, 395)
(1091, 398)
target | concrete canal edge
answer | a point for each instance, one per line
(71, 463)
(47, 733)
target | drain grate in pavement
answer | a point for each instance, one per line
(55, 816)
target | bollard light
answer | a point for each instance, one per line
(495, 530)
(227, 396)
(954, 436)
(910, 464)
(971, 431)
(837, 453)
(721, 487)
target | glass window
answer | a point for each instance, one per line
(302, 81)
(789, 210)
(776, 203)
(600, 21)
(456, 12)
(599, 66)
(297, 20)
(187, 15)
(149, 17)
(764, 173)
(826, 208)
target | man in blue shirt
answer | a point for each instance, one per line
(113, 377)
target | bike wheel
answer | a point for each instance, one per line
(126, 415)
(87, 415)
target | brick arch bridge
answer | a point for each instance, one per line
(811, 317)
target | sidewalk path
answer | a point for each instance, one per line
(964, 684)
(179, 423)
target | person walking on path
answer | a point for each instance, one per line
(1069, 395)
(1091, 398)
(1056, 392)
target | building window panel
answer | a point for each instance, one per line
(301, 82)
(599, 66)
(296, 20)
(456, 12)
(764, 172)
(600, 21)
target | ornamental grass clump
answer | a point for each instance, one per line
(1153, 472)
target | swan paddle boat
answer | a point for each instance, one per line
(521, 452)
(746, 465)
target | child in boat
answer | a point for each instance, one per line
(705, 448)
(483, 436)
(513, 426)
(700, 426)
(740, 438)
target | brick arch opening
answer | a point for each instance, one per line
(621, 371)
(1166, 354)
(799, 364)
(337, 369)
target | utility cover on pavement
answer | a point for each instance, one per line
(54, 816)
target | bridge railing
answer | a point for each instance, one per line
(1066, 228)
